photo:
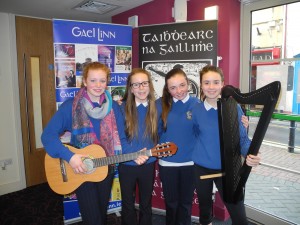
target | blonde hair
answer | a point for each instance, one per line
(131, 123)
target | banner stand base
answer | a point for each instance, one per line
(74, 220)
(162, 212)
(78, 219)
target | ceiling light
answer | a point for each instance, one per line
(96, 7)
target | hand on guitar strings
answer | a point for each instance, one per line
(253, 160)
(77, 164)
(141, 159)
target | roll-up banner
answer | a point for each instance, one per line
(189, 46)
(77, 43)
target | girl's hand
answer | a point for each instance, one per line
(253, 160)
(142, 158)
(119, 100)
(245, 121)
(77, 164)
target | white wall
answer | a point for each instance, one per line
(12, 178)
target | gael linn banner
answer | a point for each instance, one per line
(190, 46)
(77, 43)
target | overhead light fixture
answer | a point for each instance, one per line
(96, 7)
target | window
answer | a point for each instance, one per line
(270, 50)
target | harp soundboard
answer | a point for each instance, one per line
(233, 166)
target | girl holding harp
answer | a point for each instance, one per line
(206, 155)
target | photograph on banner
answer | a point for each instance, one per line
(84, 54)
(65, 74)
(64, 51)
(106, 55)
(78, 81)
(159, 69)
(123, 58)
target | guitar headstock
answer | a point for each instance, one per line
(164, 149)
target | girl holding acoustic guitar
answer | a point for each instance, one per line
(90, 118)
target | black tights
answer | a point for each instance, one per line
(204, 189)
(93, 198)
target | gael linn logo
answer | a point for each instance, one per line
(93, 33)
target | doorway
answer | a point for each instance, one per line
(36, 90)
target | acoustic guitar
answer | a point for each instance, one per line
(63, 180)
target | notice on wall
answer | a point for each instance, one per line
(269, 73)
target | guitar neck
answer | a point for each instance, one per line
(98, 162)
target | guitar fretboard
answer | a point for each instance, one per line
(98, 162)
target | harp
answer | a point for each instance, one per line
(235, 169)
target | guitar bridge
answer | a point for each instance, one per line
(63, 170)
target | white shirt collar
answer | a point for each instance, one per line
(208, 106)
(145, 104)
(183, 100)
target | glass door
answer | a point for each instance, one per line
(271, 51)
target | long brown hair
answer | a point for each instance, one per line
(131, 126)
(167, 98)
(205, 70)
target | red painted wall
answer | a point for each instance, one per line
(160, 11)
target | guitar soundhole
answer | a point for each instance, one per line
(89, 165)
